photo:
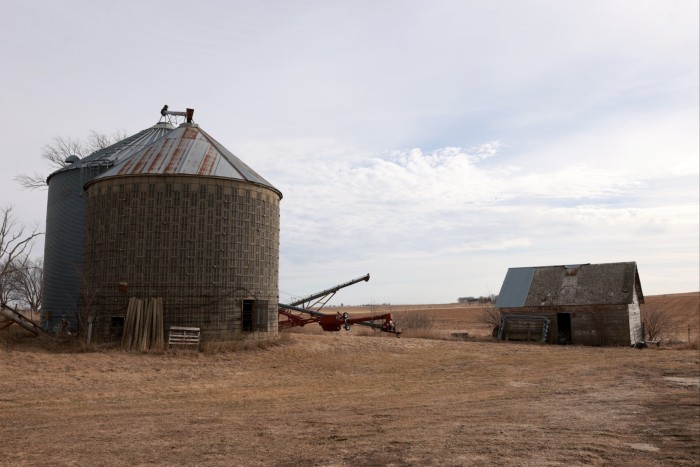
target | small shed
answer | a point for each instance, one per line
(586, 304)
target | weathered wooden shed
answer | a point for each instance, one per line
(587, 304)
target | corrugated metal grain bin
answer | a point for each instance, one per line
(185, 220)
(65, 223)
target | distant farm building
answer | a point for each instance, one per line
(475, 300)
(587, 304)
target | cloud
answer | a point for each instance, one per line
(413, 209)
(434, 144)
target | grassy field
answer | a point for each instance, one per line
(351, 399)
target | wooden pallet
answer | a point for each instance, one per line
(179, 335)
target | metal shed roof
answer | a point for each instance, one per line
(117, 152)
(515, 287)
(187, 150)
(586, 284)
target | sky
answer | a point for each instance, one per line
(431, 144)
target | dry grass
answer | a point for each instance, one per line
(342, 399)
(694, 344)
(684, 308)
(347, 399)
(224, 346)
(414, 320)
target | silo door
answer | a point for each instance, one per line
(564, 328)
(247, 315)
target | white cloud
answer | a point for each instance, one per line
(405, 207)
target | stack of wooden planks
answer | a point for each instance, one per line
(143, 327)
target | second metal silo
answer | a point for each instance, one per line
(65, 223)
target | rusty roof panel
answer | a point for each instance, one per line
(187, 150)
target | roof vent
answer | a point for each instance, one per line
(171, 116)
(72, 159)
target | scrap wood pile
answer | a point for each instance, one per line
(143, 327)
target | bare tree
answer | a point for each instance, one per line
(15, 243)
(657, 323)
(28, 280)
(59, 149)
(8, 285)
(490, 315)
(96, 141)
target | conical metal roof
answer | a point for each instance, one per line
(112, 155)
(187, 150)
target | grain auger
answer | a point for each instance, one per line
(307, 310)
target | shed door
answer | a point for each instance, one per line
(564, 328)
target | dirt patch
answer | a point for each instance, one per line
(643, 447)
(690, 381)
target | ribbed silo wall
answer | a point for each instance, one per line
(63, 245)
(208, 246)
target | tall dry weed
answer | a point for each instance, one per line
(694, 344)
(413, 320)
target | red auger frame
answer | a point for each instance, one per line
(301, 317)
(297, 316)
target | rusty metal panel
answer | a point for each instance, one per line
(174, 155)
(209, 162)
(193, 158)
(187, 150)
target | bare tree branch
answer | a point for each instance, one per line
(13, 241)
(657, 323)
(60, 148)
(28, 277)
(96, 141)
(8, 285)
(32, 182)
(490, 315)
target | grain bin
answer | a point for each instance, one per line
(186, 221)
(65, 223)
